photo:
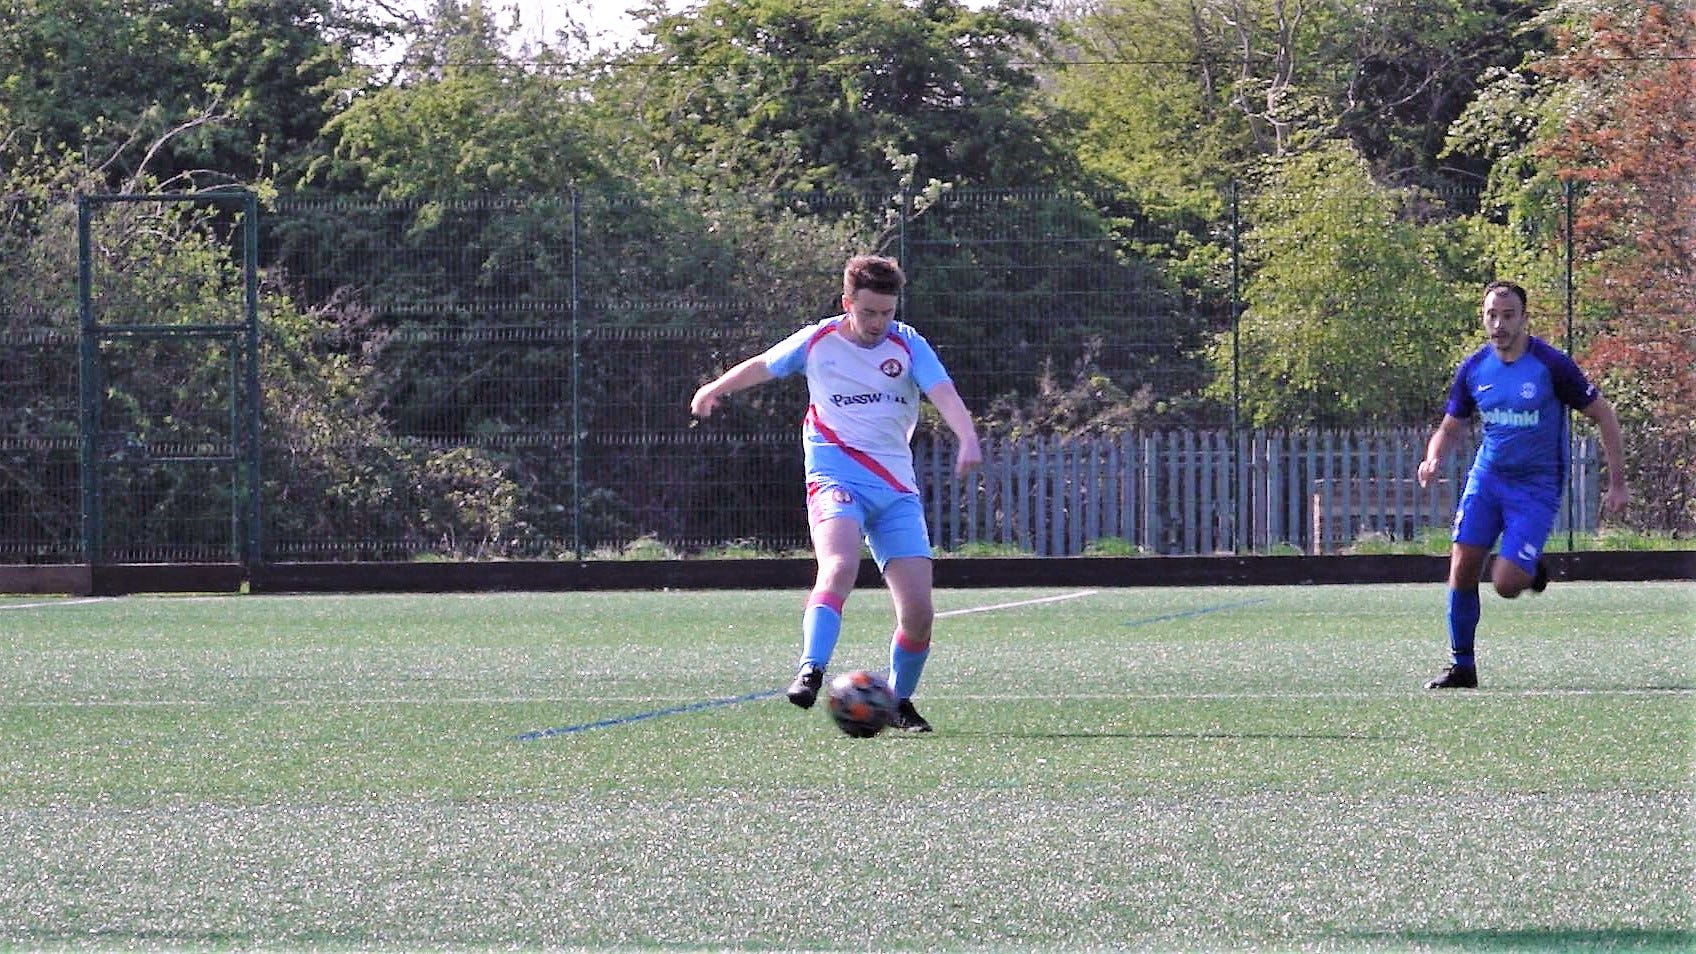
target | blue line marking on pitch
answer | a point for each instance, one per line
(768, 693)
(1197, 612)
(643, 716)
(655, 714)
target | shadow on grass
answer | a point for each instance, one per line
(1593, 690)
(1231, 736)
(1540, 940)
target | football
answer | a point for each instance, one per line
(861, 702)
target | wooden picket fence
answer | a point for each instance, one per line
(1203, 492)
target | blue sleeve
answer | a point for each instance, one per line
(928, 371)
(1461, 403)
(789, 356)
(1570, 384)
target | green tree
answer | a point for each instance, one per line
(340, 481)
(227, 90)
(797, 95)
(1355, 311)
(1150, 86)
(1178, 97)
(1604, 121)
(1401, 72)
(464, 117)
(1327, 118)
(170, 263)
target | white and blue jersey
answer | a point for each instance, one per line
(863, 401)
(1523, 409)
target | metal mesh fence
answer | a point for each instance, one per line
(509, 378)
(40, 471)
(559, 339)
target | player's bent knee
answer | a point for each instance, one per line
(1510, 580)
(917, 620)
(837, 575)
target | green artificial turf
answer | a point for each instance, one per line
(1153, 769)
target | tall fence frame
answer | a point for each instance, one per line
(565, 318)
(105, 450)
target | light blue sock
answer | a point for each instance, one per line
(821, 625)
(1463, 625)
(906, 664)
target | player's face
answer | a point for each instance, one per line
(869, 315)
(1504, 322)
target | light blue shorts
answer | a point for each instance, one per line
(1521, 514)
(892, 521)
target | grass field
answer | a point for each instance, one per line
(1175, 769)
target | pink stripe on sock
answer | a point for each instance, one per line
(825, 598)
(909, 643)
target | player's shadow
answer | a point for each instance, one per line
(1193, 736)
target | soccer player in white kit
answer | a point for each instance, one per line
(865, 373)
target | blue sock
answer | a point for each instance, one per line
(821, 624)
(906, 664)
(1463, 625)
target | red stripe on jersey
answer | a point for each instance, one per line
(864, 459)
(827, 329)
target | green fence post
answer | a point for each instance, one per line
(88, 390)
(250, 272)
(576, 378)
(1236, 370)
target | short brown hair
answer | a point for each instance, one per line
(876, 273)
(1500, 285)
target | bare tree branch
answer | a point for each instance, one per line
(205, 117)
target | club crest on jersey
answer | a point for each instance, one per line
(1528, 390)
(891, 368)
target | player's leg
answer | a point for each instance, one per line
(909, 580)
(835, 515)
(1465, 564)
(1528, 517)
(901, 544)
(1478, 521)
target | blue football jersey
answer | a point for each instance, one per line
(1523, 409)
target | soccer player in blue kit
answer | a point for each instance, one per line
(1520, 387)
(865, 373)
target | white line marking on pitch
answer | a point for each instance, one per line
(1002, 606)
(91, 599)
(323, 703)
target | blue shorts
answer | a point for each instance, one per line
(893, 521)
(1521, 514)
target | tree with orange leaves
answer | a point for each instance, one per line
(1627, 144)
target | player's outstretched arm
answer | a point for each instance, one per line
(745, 375)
